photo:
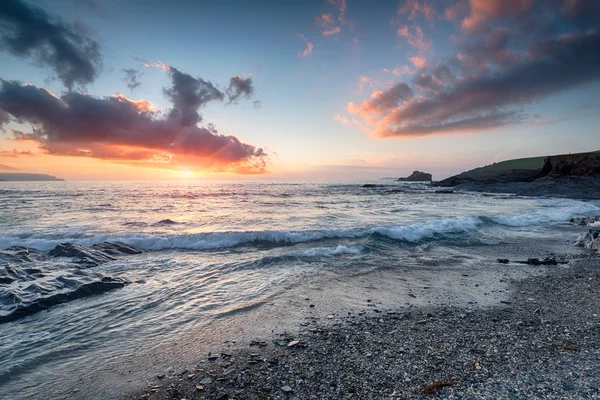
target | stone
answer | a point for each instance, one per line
(286, 389)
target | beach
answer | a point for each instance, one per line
(543, 342)
(332, 290)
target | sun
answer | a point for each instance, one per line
(186, 173)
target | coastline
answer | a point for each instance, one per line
(531, 332)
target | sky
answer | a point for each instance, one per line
(293, 90)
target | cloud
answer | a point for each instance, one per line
(333, 31)
(418, 61)
(69, 50)
(341, 7)
(188, 94)
(415, 8)
(158, 65)
(484, 11)
(309, 47)
(342, 120)
(488, 100)
(240, 87)
(362, 81)
(415, 38)
(324, 20)
(457, 11)
(6, 167)
(121, 129)
(15, 153)
(132, 78)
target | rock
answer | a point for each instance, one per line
(117, 248)
(293, 343)
(533, 261)
(81, 254)
(582, 164)
(503, 260)
(167, 221)
(417, 176)
(286, 389)
(206, 381)
(20, 254)
(372, 185)
(590, 240)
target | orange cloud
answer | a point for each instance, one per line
(341, 6)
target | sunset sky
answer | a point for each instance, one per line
(311, 90)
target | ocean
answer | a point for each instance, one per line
(215, 251)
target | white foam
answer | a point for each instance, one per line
(325, 251)
(551, 211)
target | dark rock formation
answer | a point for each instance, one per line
(371, 185)
(117, 249)
(572, 175)
(583, 164)
(417, 176)
(95, 255)
(30, 282)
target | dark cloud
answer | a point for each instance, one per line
(69, 50)
(4, 118)
(132, 78)
(239, 87)
(118, 128)
(188, 94)
(510, 54)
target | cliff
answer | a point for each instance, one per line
(417, 176)
(568, 175)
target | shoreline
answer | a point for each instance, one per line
(541, 341)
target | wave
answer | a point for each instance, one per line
(555, 210)
(413, 233)
(416, 232)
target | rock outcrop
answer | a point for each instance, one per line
(95, 255)
(582, 164)
(417, 176)
(590, 240)
(572, 175)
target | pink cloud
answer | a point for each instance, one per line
(158, 65)
(332, 31)
(309, 47)
(414, 8)
(457, 11)
(342, 120)
(484, 10)
(324, 20)
(418, 61)
(415, 38)
(341, 6)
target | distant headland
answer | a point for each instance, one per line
(19, 177)
(568, 175)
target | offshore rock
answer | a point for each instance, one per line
(417, 176)
(95, 255)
